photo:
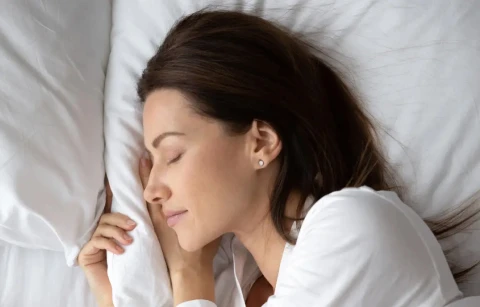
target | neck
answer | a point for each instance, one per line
(261, 239)
(266, 247)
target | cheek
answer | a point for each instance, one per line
(215, 174)
(210, 184)
(212, 187)
(222, 178)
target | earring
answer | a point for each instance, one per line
(261, 163)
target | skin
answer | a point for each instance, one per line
(92, 258)
(218, 178)
(215, 178)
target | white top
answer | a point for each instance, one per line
(360, 247)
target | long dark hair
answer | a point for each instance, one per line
(237, 68)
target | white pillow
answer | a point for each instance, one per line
(53, 58)
(416, 64)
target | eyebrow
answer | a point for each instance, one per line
(164, 135)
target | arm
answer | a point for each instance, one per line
(92, 257)
(100, 286)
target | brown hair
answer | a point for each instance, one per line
(237, 68)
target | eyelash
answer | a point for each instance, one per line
(174, 159)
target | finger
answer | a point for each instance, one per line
(102, 243)
(113, 232)
(109, 197)
(119, 220)
(88, 249)
(144, 169)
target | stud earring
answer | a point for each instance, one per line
(261, 163)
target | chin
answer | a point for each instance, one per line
(190, 244)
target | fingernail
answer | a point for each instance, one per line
(127, 237)
(119, 248)
(131, 223)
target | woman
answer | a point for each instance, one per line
(249, 132)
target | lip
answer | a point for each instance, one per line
(173, 217)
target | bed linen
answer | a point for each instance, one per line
(53, 59)
(35, 277)
(414, 64)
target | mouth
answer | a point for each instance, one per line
(174, 217)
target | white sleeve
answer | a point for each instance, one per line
(357, 251)
(197, 303)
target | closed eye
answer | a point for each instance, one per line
(174, 159)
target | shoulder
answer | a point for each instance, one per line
(361, 210)
(360, 223)
(356, 241)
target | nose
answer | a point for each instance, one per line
(156, 193)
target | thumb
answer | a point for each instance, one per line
(144, 169)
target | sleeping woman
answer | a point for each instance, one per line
(248, 131)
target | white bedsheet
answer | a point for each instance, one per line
(415, 64)
(53, 58)
(40, 278)
(415, 85)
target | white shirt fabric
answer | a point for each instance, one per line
(359, 247)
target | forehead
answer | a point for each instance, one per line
(165, 103)
(166, 106)
(169, 110)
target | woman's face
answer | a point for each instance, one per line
(211, 177)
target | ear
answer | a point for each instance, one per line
(266, 144)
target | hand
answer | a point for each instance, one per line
(191, 273)
(92, 259)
